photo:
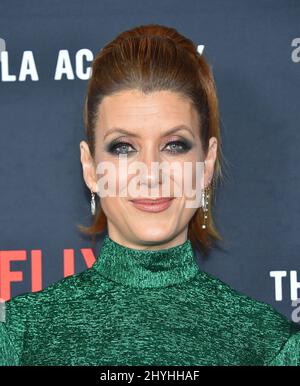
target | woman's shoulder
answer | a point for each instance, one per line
(60, 289)
(242, 308)
(76, 287)
(232, 298)
(24, 312)
(258, 324)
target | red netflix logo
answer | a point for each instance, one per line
(34, 258)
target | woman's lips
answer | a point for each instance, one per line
(156, 205)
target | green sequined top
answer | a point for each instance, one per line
(145, 307)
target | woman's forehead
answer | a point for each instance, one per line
(136, 112)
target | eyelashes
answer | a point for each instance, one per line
(117, 148)
(173, 147)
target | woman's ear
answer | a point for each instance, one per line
(210, 161)
(88, 167)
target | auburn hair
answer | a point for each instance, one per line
(152, 58)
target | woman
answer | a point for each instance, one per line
(151, 98)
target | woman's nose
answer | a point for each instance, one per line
(151, 173)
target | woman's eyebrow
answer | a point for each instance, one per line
(132, 134)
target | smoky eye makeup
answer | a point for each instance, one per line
(173, 146)
(119, 146)
(178, 146)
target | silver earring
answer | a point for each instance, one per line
(93, 203)
(205, 197)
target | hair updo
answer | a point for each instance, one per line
(153, 58)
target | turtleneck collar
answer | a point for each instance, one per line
(144, 268)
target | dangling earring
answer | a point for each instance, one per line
(205, 197)
(93, 203)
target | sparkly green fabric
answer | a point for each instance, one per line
(145, 307)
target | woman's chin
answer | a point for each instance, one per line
(153, 235)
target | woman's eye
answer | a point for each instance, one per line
(176, 147)
(120, 148)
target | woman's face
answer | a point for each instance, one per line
(145, 121)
